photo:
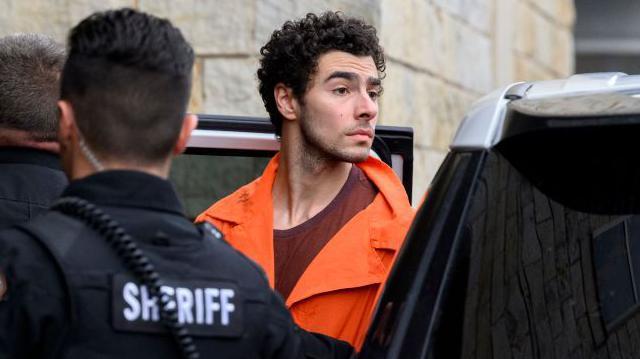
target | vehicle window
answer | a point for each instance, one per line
(203, 179)
(532, 285)
(617, 268)
(517, 274)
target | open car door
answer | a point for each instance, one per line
(226, 152)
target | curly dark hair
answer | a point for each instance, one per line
(128, 77)
(291, 55)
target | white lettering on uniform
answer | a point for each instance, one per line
(184, 301)
(227, 307)
(170, 292)
(149, 307)
(197, 305)
(129, 293)
(210, 305)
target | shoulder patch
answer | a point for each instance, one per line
(206, 308)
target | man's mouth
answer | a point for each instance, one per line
(361, 132)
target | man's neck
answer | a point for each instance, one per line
(18, 138)
(304, 186)
(81, 167)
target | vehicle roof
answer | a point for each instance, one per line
(582, 95)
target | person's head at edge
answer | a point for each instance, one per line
(124, 92)
(30, 66)
(319, 79)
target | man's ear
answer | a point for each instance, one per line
(286, 101)
(66, 124)
(188, 125)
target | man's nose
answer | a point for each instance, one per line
(367, 108)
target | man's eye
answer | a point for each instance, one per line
(374, 95)
(340, 91)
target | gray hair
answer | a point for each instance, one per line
(30, 67)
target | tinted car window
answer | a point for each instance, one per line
(201, 179)
(531, 287)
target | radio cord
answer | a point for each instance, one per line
(134, 259)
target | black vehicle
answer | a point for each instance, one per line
(528, 244)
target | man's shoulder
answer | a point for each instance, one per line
(387, 182)
(15, 239)
(232, 207)
(240, 263)
(29, 238)
(26, 261)
(30, 183)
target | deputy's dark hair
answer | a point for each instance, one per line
(30, 66)
(291, 55)
(128, 78)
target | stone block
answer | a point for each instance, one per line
(476, 13)
(432, 40)
(456, 104)
(79, 9)
(213, 28)
(548, 7)
(44, 17)
(470, 58)
(545, 39)
(426, 162)
(524, 35)
(368, 10)
(525, 69)
(53, 18)
(566, 13)
(271, 15)
(195, 102)
(563, 57)
(504, 37)
(414, 34)
(406, 101)
(230, 87)
(561, 11)
(432, 107)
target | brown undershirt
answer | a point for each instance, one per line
(295, 248)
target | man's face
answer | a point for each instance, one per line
(340, 111)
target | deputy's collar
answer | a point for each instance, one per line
(32, 156)
(125, 188)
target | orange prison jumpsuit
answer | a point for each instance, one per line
(338, 291)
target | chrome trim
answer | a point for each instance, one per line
(483, 123)
(234, 140)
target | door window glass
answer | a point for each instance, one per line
(202, 180)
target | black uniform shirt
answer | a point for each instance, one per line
(30, 180)
(35, 314)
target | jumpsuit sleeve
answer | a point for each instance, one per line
(33, 304)
(286, 340)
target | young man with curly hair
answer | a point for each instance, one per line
(325, 219)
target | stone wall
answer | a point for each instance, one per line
(442, 54)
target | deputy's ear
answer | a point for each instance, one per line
(286, 101)
(189, 123)
(66, 123)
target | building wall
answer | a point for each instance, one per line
(445, 54)
(442, 54)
